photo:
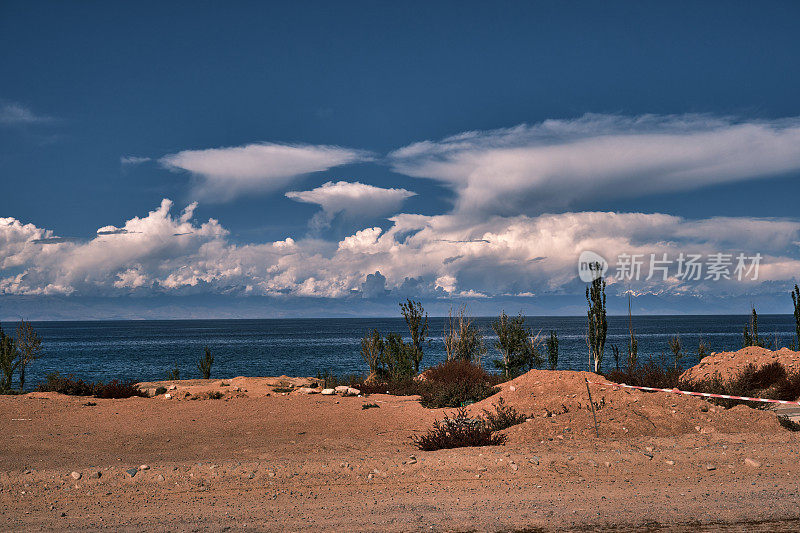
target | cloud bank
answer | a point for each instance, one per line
(556, 164)
(225, 173)
(434, 256)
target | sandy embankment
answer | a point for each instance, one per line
(296, 461)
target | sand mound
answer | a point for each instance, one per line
(729, 364)
(558, 406)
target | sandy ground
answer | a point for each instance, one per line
(252, 461)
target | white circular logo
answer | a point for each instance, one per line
(591, 266)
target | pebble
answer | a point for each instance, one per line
(534, 460)
(131, 471)
(328, 392)
(670, 462)
(172, 387)
(752, 462)
(168, 396)
(512, 388)
(76, 475)
(160, 477)
(144, 467)
(96, 475)
(514, 467)
(648, 455)
(711, 467)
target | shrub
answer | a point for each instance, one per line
(205, 362)
(796, 305)
(788, 423)
(174, 373)
(519, 352)
(552, 351)
(677, 350)
(161, 390)
(71, 386)
(649, 374)
(770, 381)
(369, 406)
(458, 432)
(438, 395)
(750, 334)
(397, 358)
(418, 328)
(372, 348)
(30, 347)
(68, 385)
(456, 383)
(503, 417)
(116, 389)
(9, 361)
(462, 339)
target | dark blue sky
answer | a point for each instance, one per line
(84, 84)
(150, 78)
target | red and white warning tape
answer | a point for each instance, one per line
(690, 393)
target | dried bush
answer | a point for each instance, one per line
(456, 394)
(770, 381)
(458, 432)
(503, 417)
(71, 386)
(650, 374)
(204, 363)
(160, 391)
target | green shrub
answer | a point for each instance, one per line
(174, 373)
(458, 432)
(438, 395)
(552, 351)
(204, 363)
(517, 351)
(597, 322)
(397, 358)
(372, 351)
(369, 406)
(9, 361)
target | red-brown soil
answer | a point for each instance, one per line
(296, 461)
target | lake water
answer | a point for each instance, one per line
(145, 350)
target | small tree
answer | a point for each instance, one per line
(702, 349)
(677, 350)
(462, 339)
(750, 334)
(9, 361)
(512, 343)
(205, 363)
(372, 348)
(796, 302)
(615, 351)
(397, 358)
(29, 345)
(417, 321)
(597, 323)
(552, 350)
(633, 344)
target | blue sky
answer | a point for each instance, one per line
(687, 110)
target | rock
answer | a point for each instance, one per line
(96, 475)
(168, 396)
(172, 387)
(75, 475)
(306, 390)
(512, 388)
(131, 472)
(514, 467)
(351, 392)
(144, 467)
(534, 460)
(341, 389)
(160, 477)
(752, 463)
(328, 392)
(711, 467)
(670, 462)
(608, 465)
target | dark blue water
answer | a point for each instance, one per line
(145, 350)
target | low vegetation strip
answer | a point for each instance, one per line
(692, 393)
